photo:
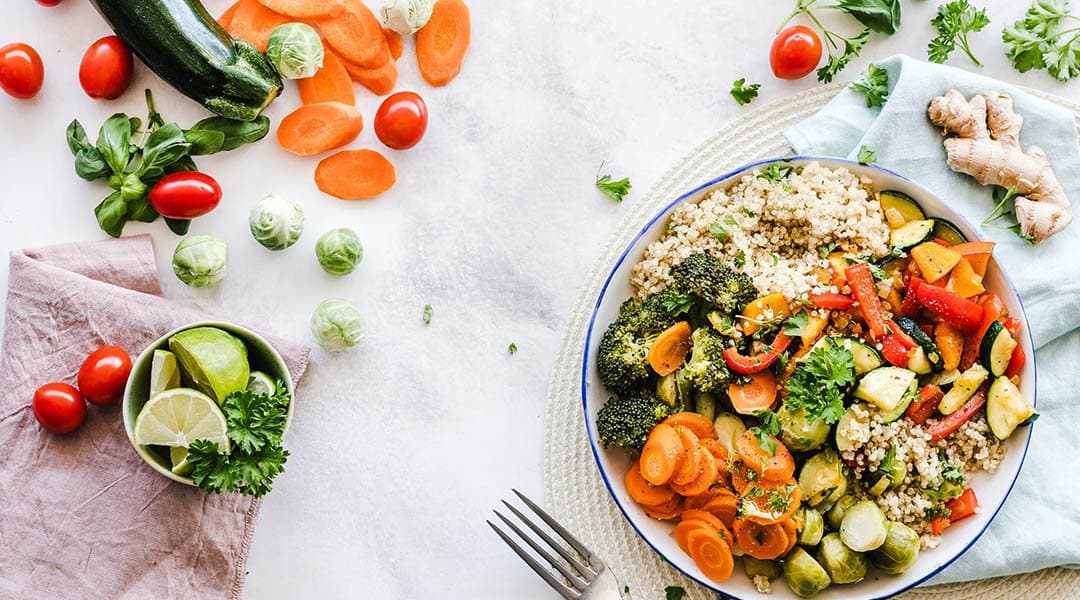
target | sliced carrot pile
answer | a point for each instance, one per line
(441, 45)
(661, 454)
(708, 474)
(317, 128)
(666, 511)
(723, 506)
(253, 23)
(644, 492)
(354, 33)
(394, 42)
(380, 80)
(690, 463)
(300, 9)
(702, 427)
(330, 84)
(355, 174)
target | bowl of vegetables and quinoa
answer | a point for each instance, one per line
(809, 377)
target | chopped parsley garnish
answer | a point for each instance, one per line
(777, 503)
(616, 190)
(512, 348)
(866, 156)
(938, 511)
(889, 460)
(740, 260)
(796, 323)
(765, 430)
(427, 314)
(677, 303)
(674, 592)
(818, 383)
(775, 172)
(748, 212)
(744, 93)
(951, 473)
(874, 84)
(823, 251)
(719, 232)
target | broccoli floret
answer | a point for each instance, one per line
(706, 277)
(706, 368)
(622, 357)
(626, 421)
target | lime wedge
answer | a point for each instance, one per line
(260, 383)
(180, 465)
(178, 417)
(164, 372)
(213, 360)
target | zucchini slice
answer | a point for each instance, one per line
(929, 348)
(864, 526)
(947, 232)
(996, 349)
(843, 427)
(963, 388)
(1006, 408)
(867, 358)
(728, 429)
(904, 204)
(944, 379)
(918, 363)
(888, 388)
(912, 234)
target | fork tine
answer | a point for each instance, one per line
(585, 571)
(558, 586)
(575, 580)
(594, 562)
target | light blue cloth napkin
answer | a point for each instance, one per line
(1039, 526)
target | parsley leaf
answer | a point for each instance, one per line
(874, 84)
(616, 190)
(775, 172)
(952, 473)
(740, 260)
(744, 93)
(866, 156)
(796, 323)
(674, 592)
(719, 232)
(954, 21)
(427, 314)
(677, 303)
(766, 429)
(1036, 40)
(836, 63)
(823, 251)
(819, 382)
(512, 348)
(889, 460)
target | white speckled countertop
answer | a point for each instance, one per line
(402, 447)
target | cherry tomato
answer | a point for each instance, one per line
(21, 70)
(105, 70)
(401, 120)
(104, 374)
(185, 195)
(49, 2)
(795, 52)
(59, 407)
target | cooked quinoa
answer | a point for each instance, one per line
(774, 228)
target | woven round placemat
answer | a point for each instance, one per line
(572, 485)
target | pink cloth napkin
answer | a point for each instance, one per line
(81, 515)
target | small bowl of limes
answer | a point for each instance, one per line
(177, 387)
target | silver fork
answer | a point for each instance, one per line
(581, 575)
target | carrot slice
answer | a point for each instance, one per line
(226, 17)
(380, 79)
(775, 501)
(441, 45)
(666, 511)
(393, 41)
(316, 128)
(682, 532)
(330, 84)
(702, 427)
(668, 351)
(777, 467)
(661, 454)
(707, 477)
(253, 23)
(690, 464)
(759, 394)
(741, 475)
(723, 506)
(711, 553)
(710, 520)
(643, 492)
(300, 9)
(764, 542)
(355, 174)
(354, 33)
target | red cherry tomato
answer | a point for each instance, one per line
(59, 407)
(104, 374)
(21, 70)
(49, 2)
(105, 70)
(401, 120)
(795, 52)
(185, 195)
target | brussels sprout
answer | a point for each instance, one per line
(835, 515)
(810, 525)
(821, 474)
(755, 566)
(799, 432)
(199, 260)
(295, 50)
(863, 527)
(276, 223)
(843, 564)
(900, 550)
(339, 251)
(407, 16)
(337, 324)
(833, 496)
(803, 574)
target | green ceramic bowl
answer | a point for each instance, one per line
(261, 355)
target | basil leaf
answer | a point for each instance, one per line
(204, 141)
(114, 142)
(882, 16)
(76, 138)
(178, 226)
(237, 133)
(140, 210)
(89, 165)
(185, 163)
(112, 214)
(132, 188)
(163, 147)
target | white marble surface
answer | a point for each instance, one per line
(402, 447)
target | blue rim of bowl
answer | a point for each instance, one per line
(593, 444)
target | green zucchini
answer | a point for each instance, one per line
(908, 208)
(947, 232)
(186, 47)
(888, 388)
(1006, 408)
(866, 357)
(963, 388)
(930, 350)
(847, 421)
(911, 234)
(944, 379)
(996, 349)
(728, 429)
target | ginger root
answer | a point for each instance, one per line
(984, 142)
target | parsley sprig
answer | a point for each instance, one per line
(614, 189)
(1043, 40)
(954, 21)
(881, 16)
(866, 156)
(765, 431)
(874, 84)
(819, 382)
(744, 93)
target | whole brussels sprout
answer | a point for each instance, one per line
(801, 433)
(810, 525)
(407, 16)
(295, 50)
(803, 574)
(339, 251)
(199, 260)
(843, 564)
(337, 324)
(900, 550)
(276, 223)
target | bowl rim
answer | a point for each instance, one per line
(663, 212)
(232, 328)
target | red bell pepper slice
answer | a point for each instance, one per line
(1012, 324)
(952, 422)
(748, 365)
(962, 506)
(993, 308)
(922, 409)
(864, 290)
(1016, 363)
(955, 310)
(910, 306)
(938, 524)
(832, 301)
(895, 350)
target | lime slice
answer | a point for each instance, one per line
(164, 372)
(178, 417)
(180, 465)
(260, 383)
(214, 361)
